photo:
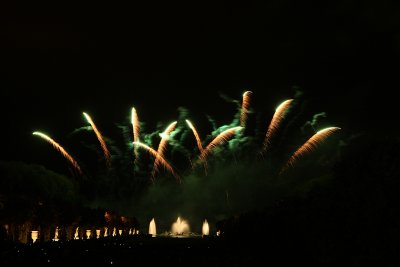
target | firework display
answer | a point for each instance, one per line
(222, 138)
(107, 155)
(61, 150)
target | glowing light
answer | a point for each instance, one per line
(206, 228)
(59, 148)
(161, 148)
(180, 227)
(56, 235)
(106, 152)
(152, 228)
(105, 231)
(88, 234)
(120, 232)
(98, 231)
(220, 139)
(279, 115)
(311, 145)
(114, 232)
(76, 235)
(245, 107)
(196, 135)
(136, 129)
(163, 162)
(34, 236)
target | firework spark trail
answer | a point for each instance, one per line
(221, 138)
(311, 145)
(196, 135)
(61, 150)
(198, 140)
(162, 146)
(100, 138)
(136, 129)
(245, 107)
(275, 122)
(162, 161)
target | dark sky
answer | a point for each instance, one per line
(60, 60)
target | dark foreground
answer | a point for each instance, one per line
(129, 251)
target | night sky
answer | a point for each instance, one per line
(60, 60)
(194, 60)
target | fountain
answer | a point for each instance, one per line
(205, 229)
(114, 232)
(56, 235)
(120, 232)
(152, 228)
(76, 235)
(88, 234)
(98, 233)
(105, 231)
(180, 227)
(34, 235)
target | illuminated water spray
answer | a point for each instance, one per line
(180, 227)
(98, 232)
(56, 235)
(114, 233)
(205, 230)
(311, 145)
(105, 231)
(279, 115)
(88, 234)
(152, 228)
(59, 148)
(245, 107)
(34, 236)
(161, 148)
(163, 162)
(106, 152)
(76, 235)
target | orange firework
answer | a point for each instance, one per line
(161, 159)
(196, 135)
(221, 138)
(275, 122)
(136, 128)
(245, 107)
(61, 150)
(311, 145)
(100, 138)
(161, 147)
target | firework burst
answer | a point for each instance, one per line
(245, 107)
(106, 152)
(311, 145)
(161, 159)
(161, 147)
(275, 122)
(196, 135)
(59, 148)
(249, 142)
(220, 139)
(136, 129)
